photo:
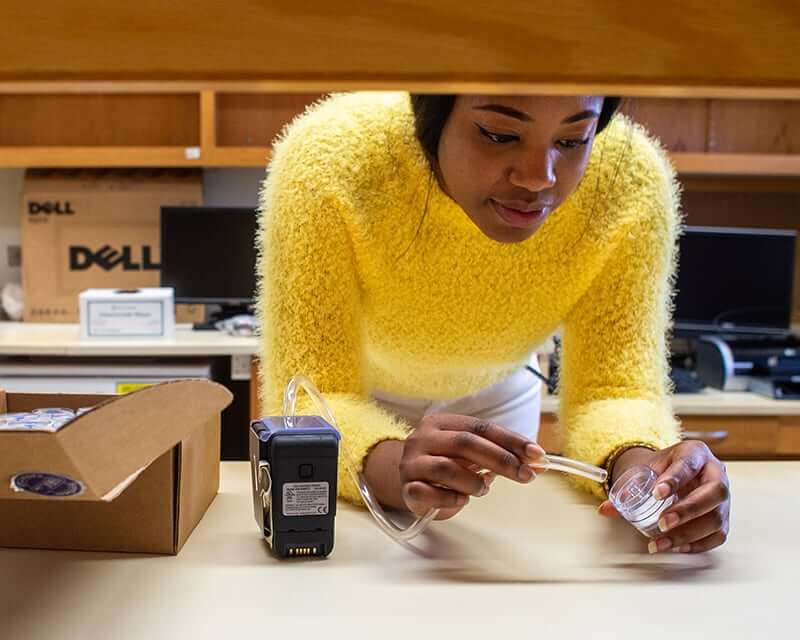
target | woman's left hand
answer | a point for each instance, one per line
(699, 520)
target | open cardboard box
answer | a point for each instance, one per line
(159, 446)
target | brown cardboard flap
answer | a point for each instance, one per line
(105, 446)
(198, 464)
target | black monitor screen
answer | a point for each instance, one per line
(208, 254)
(734, 279)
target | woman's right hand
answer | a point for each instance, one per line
(441, 459)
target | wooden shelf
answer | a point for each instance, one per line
(130, 125)
(239, 157)
(689, 164)
(112, 157)
(736, 164)
(431, 46)
(100, 157)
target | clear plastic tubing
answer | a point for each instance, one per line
(395, 532)
(568, 465)
(400, 534)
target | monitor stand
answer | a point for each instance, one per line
(224, 312)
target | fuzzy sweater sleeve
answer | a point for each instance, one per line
(614, 382)
(309, 303)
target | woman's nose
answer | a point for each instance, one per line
(534, 172)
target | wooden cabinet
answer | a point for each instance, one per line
(788, 437)
(729, 437)
(734, 436)
(123, 126)
(99, 120)
(180, 124)
(254, 119)
(724, 136)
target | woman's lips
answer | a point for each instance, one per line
(521, 218)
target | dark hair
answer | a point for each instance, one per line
(432, 110)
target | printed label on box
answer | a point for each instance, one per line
(126, 319)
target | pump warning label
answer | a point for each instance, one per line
(305, 498)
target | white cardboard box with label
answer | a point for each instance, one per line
(127, 313)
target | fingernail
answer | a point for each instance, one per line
(662, 491)
(461, 500)
(662, 544)
(605, 506)
(686, 548)
(525, 473)
(534, 452)
(489, 478)
(668, 521)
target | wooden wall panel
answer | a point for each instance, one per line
(99, 120)
(674, 48)
(681, 125)
(754, 126)
(252, 119)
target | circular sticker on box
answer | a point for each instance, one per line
(46, 484)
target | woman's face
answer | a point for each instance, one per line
(509, 161)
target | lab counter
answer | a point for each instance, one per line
(735, 425)
(53, 339)
(524, 561)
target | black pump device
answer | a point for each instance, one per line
(293, 473)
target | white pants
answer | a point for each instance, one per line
(513, 403)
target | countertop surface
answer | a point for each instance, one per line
(523, 561)
(34, 339)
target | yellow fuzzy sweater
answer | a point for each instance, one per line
(371, 277)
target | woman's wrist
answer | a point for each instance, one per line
(382, 473)
(626, 459)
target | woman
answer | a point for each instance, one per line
(415, 252)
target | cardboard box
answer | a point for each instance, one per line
(96, 229)
(128, 313)
(168, 434)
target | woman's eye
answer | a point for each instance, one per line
(572, 144)
(499, 138)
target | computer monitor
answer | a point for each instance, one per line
(734, 281)
(208, 255)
